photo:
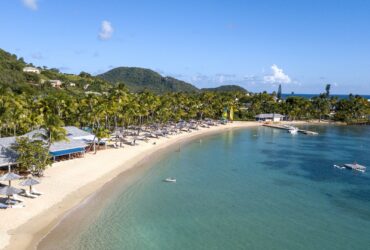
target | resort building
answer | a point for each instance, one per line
(31, 70)
(76, 144)
(270, 117)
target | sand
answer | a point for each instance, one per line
(69, 183)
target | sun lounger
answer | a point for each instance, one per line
(20, 205)
(29, 195)
(17, 198)
(34, 191)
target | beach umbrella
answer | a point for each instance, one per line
(29, 183)
(8, 191)
(10, 177)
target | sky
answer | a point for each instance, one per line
(302, 45)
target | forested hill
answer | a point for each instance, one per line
(11, 68)
(226, 88)
(138, 79)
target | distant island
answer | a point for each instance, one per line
(226, 88)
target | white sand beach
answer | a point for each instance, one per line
(66, 184)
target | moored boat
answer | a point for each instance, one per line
(356, 167)
(169, 179)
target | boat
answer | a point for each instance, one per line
(169, 179)
(356, 167)
(340, 167)
(293, 131)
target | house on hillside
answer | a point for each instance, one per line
(31, 70)
(55, 83)
(76, 144)
(270, 117)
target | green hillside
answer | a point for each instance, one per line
(226, 88)
(13, 77)
(139, 79)
(11, 69)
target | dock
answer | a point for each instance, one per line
(287, 128)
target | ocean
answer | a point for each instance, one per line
(254, 188)
(309, 96)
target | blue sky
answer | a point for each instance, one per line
(302, 45)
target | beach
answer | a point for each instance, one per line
(68, 183)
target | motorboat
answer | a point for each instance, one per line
(170, 179)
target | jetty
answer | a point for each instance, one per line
(287, 128)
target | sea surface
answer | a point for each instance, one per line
(254, 188)
(309, 96)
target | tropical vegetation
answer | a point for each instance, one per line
(95, 103)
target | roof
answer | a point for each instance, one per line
(30, 68)
(269, 116)
(78, 134)
(65, 145)
(7, 156)
(76, 139)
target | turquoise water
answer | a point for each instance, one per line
(254, 188)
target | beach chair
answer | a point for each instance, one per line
(19, 205)
(17, 198)
(28, 194)
(34, 191)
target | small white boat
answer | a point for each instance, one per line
(293, 131)
(340, 167)
(170, 180)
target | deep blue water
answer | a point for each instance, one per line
(309, 96)
(256, 188)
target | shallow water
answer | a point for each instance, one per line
(256, 188)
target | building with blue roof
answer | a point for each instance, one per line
(76, 143)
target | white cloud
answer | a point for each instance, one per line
(277, 76)
(31, 4)
(106, 31)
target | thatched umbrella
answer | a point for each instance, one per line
(29, 183)
(10, 177)
(9, 191)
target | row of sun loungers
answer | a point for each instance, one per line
(132, 134)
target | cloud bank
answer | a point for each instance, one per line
(106, 31)
(31, 4)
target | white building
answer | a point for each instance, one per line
(31, 70)
(270, 117)
(56, 83)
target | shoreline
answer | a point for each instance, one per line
(69, 184)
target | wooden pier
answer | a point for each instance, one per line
(285, 127)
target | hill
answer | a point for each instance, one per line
(139, 79)
(226, 88)
(13, 77)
